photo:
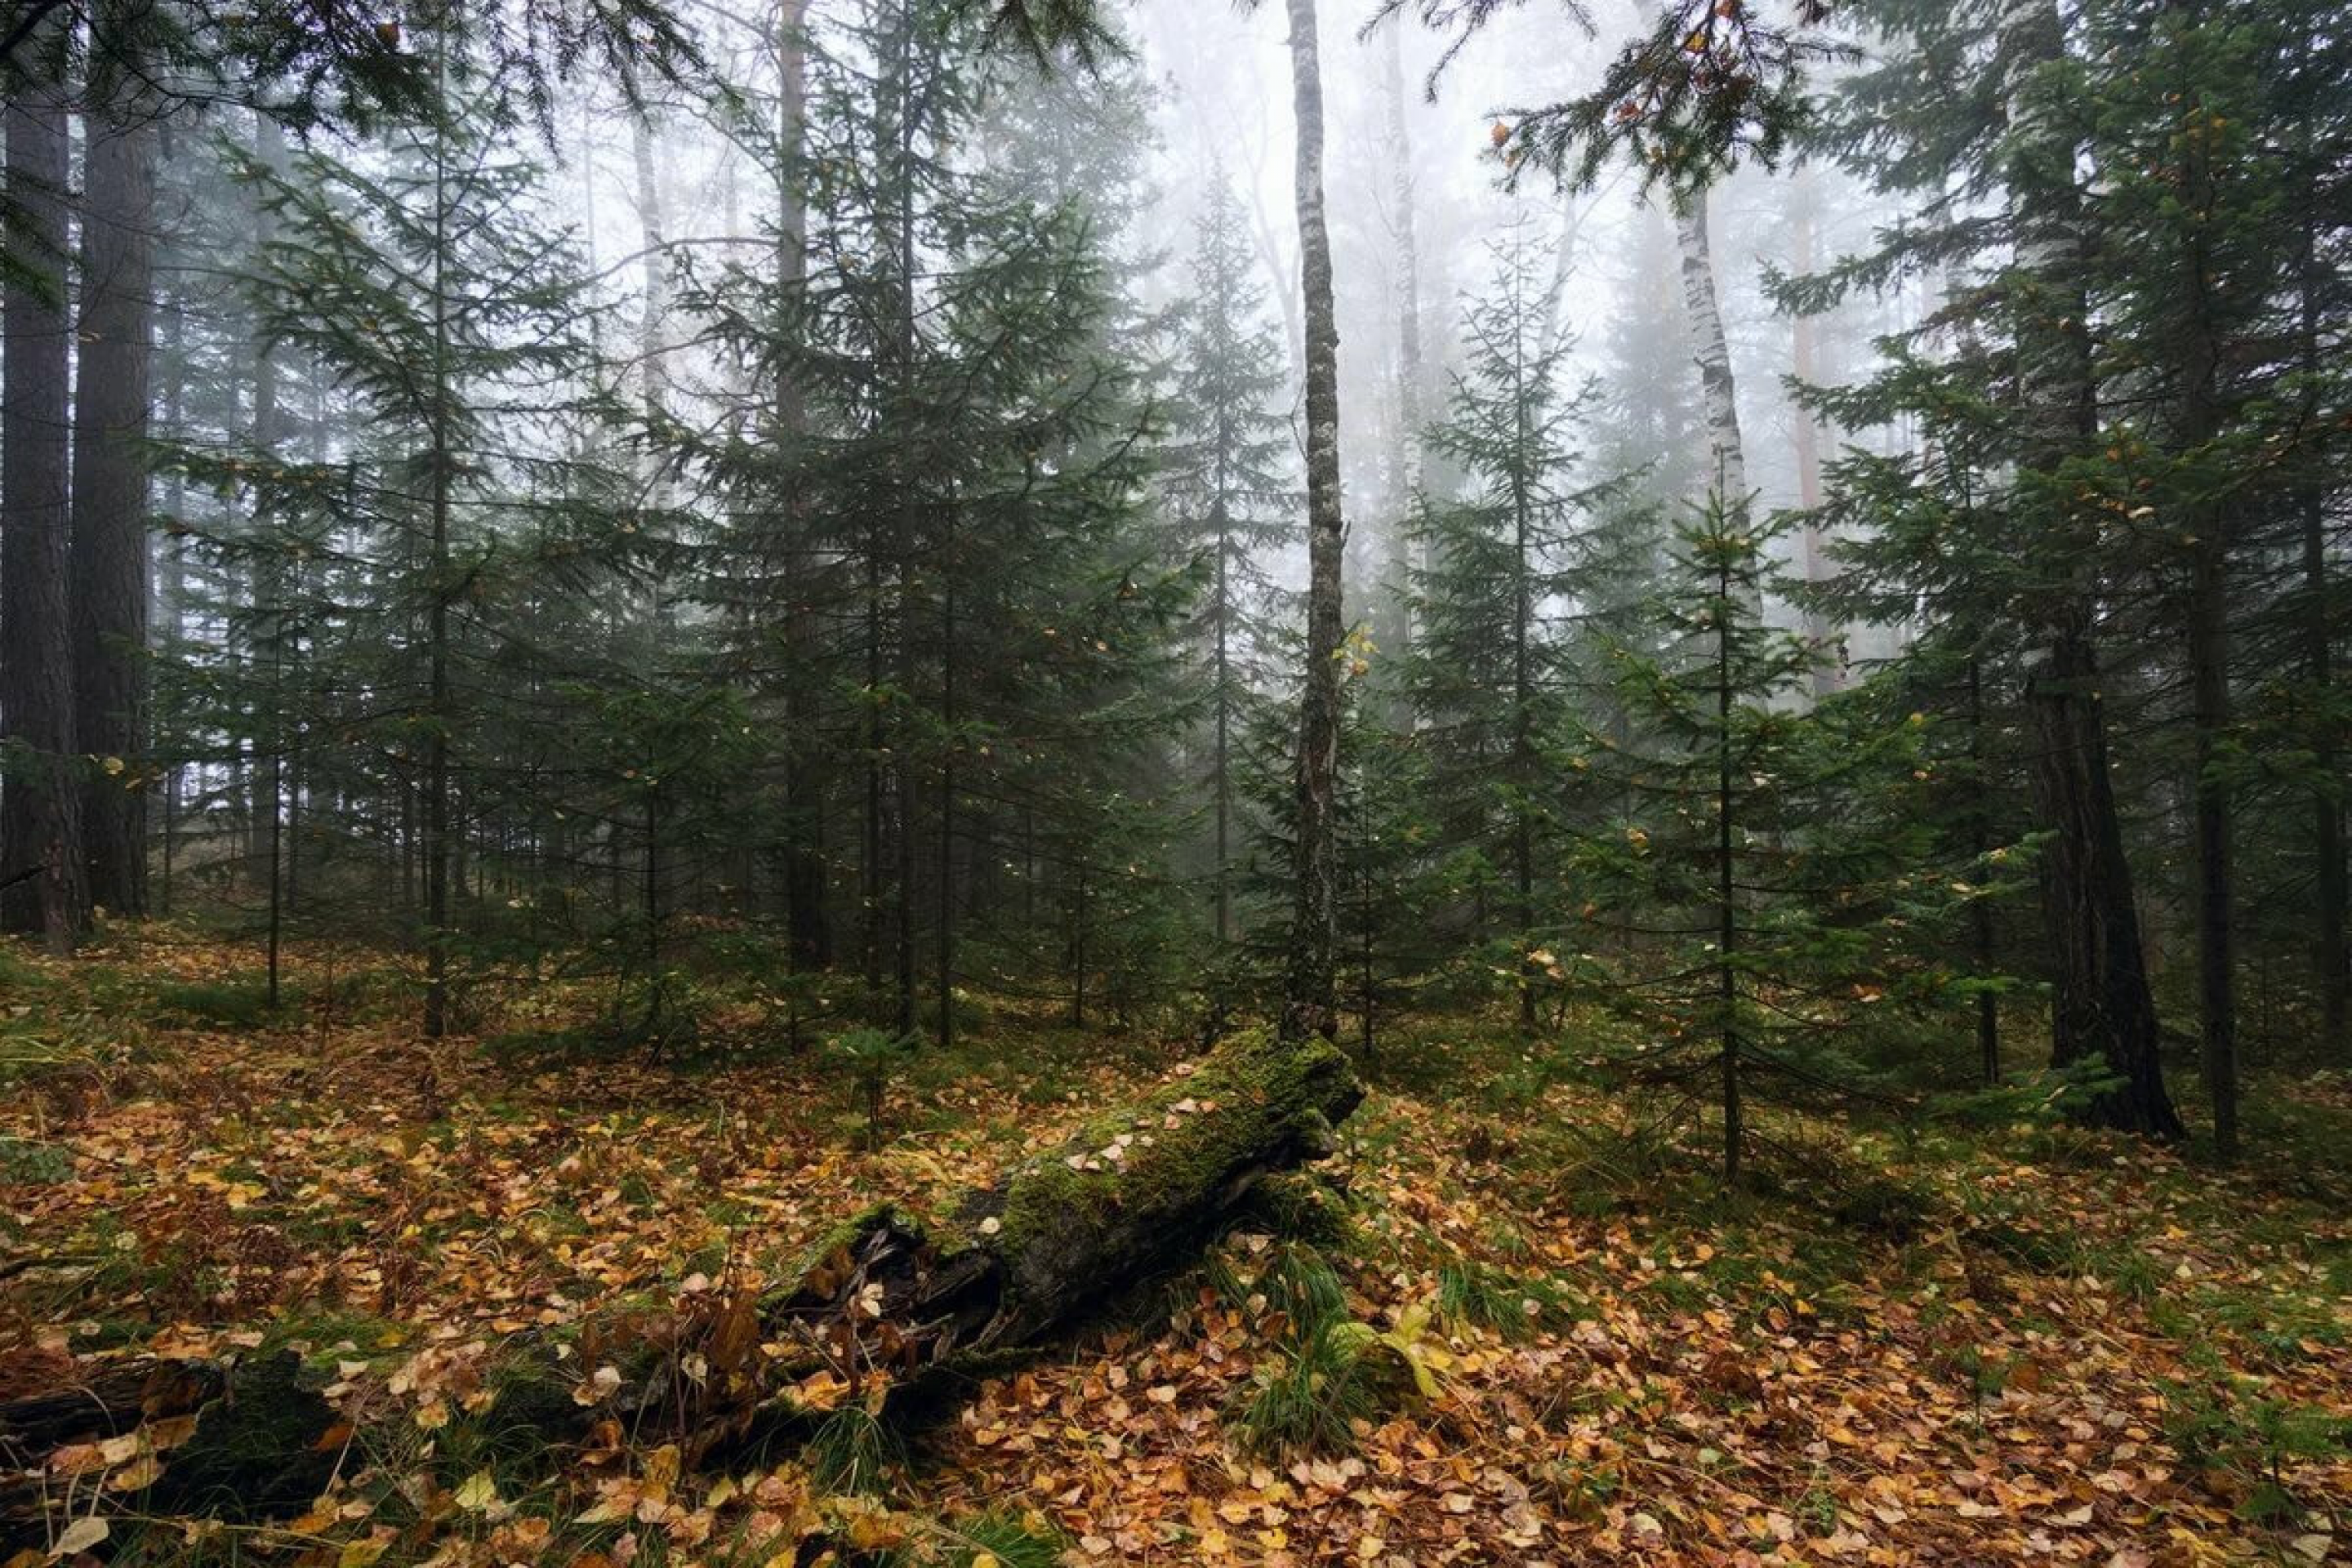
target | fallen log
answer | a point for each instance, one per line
(886, 1311)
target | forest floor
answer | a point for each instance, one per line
(2002, 1344)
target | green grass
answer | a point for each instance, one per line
(1015, 1541)
(1309, 1400)
(1472, 1292)
(852, 1453)
(240, 1003)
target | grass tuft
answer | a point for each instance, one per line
(1010, 1540)
(852, 1453)
(1311, 1401)
(1472, 1292)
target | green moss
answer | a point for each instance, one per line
(1133, 1187)
(1300, 1205)
(325, 1337)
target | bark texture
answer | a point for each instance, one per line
(1405, 229)
(1726, 454)
(110, 485)
(1805, 435)
(41, 885)
(1309, 980)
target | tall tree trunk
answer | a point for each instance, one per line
(1310, 978)
(1702, 305)
(2209, 664)
(1227, 692)
(268, 587)
(40, 815)
(945, 935)
(2331, 948)
(1727, 886)
(1523, 614)
(907, 341)
(808, 937)
(439, 851)
(1804, 364)
(170, 606)
(110, 470)
(653, 363)
(2103, 1007)
(2207, 522)
(1405, 233)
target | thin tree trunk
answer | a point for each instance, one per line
(1727, 454)
(1726, 887)
(652, 898)
(1804, 363)
(268, 587)
(438, 848)
(1078, 952)
(1309, 984)
(1409, 416)
(946, 905)
(2331, 948)
(2209, 667)
(808, 940)
(654, 364)
(2209, 656)
(172, 584)
(1522, 612)
(1981, 931)
(41, 816)
(909, 521)
(1223, 781)
(109, 586)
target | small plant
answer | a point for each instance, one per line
(1005, 1540)
(1299, 1283)
(870, 1056)
(30, 1162)
(1311, 1400)
(852, 1453)
(1473, 1292)
(1818, 1510)
(2253, 1443)
(218, 1004)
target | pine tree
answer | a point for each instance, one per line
(1490, 678)
(419, 288)
(1771, 911)
(110, 588)
(2018, 404)
(1224, 473)
(966, 493)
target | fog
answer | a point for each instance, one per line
(1412, 116)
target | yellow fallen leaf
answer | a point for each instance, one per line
(79, 1536)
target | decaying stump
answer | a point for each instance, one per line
(884, 1305)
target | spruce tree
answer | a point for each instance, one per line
(1225, 473)
(1771, 911)
(964, 497)
(1490, 677)
(412, 279)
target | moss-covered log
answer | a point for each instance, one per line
(883, 1301)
